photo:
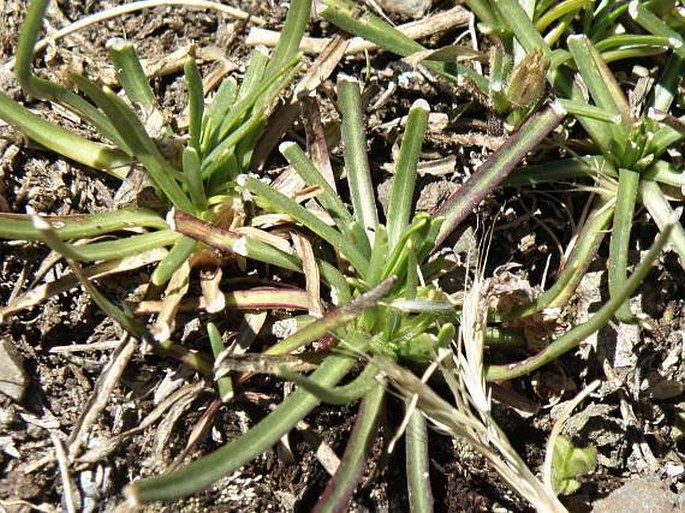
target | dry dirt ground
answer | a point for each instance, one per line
(636, 420)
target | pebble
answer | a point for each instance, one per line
(641, 495)
(13, 379)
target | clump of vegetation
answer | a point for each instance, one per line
(390, 315)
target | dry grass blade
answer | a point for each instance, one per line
(469, 418)
(316, 139)
(258, 363)
(210, 281)
(63, 464)
(107, 447)
(311, 273)
(38, 294)
(175, 292)
(435, 24)
(108, 379)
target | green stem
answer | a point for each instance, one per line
(337, 495)
(628, 184)
(210, 468)
(402, 189)
(356, 159)
(418, 464)
(20, 226)
(575, 336)
(495, 170)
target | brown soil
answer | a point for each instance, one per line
(635, 431)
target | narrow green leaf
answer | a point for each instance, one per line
(601, 83)
(130, 128)
(120, 248)
(338, 492)
(20, 226)
(417, 461)
(37, 87)
(223, 101)
(522, 26)
(208, 469)
(182, 250)
(558, 11)
(402, 190)
(289, 41)
(651, 23)
(628, 184)
(343, 394)
(224, 384)
(666, 89)
(63, 142)
(192, 171)
(379, 256)
(282, 204)
(196, 103)
(585, 110)
(356, 159)
(131, 75)
(575, 336)
(259, 59)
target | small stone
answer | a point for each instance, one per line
(406, 8)
(642, 495)
(13, 379)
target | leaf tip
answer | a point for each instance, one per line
(342, 77)
(117, 44)
(421, 104)
(283, 147)
(634, 9)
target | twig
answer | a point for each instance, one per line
(101, 393)
(108, 446)
(441, 22)
(133, 7)
(85, 348)
(61, 456)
